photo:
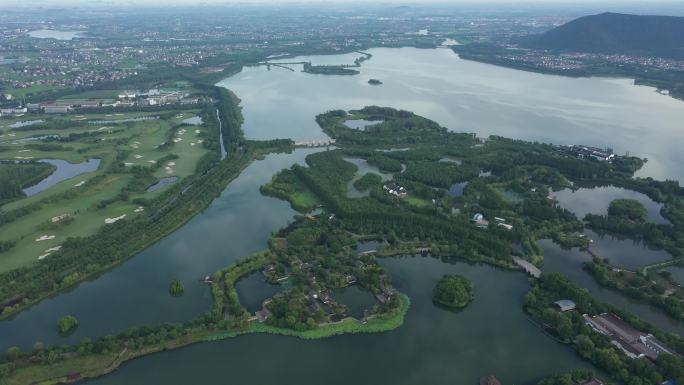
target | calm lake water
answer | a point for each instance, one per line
(360, 124)
(470, 97)
(64, 171)
(362, 169)
(434, 346)
(253, 290)
(492, 335)
(625, 253)
(596, 200)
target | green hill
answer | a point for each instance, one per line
(615, 33)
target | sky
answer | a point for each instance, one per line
(378, 2)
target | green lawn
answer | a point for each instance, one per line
(139, 140)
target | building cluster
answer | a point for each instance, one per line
(480, 221)
(588, 152)
(153, 97)
(632, 342)
(575, 61)
(13, 111)
(395, 190)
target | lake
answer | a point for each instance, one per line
(64, 171)
(434, 346)
(596, 200)
(469, 96)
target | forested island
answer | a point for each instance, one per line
(453, 291)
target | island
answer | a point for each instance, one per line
(176, 288)
(67, 324)
(453, 291)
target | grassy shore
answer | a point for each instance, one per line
(97, 365)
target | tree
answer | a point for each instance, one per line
(67, 324)
(176, 289)
(629, 208)
(454, 291)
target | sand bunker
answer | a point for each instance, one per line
(113, 220)
(58, 218)
(45, 238)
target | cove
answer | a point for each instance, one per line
(433, 346)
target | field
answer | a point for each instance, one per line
(80, 205)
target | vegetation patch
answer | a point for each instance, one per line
(67, 325)
(453, 291)
(176, 288)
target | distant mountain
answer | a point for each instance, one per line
(617, 33)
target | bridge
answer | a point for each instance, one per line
(528, 267)
(315, 143)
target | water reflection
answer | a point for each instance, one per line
(596, 200)
(625, 253)
(64, 171)
(253, 290)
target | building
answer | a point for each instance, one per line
(634, 343)
(588, 152)
(397, 191)
(480, 221)
(565, 305)
(14, 111)
(56, 109)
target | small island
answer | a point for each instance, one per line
(176, 288)
(627, 208)
(367, 181)
(67, 325)
(453, 291)
(374, 82)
